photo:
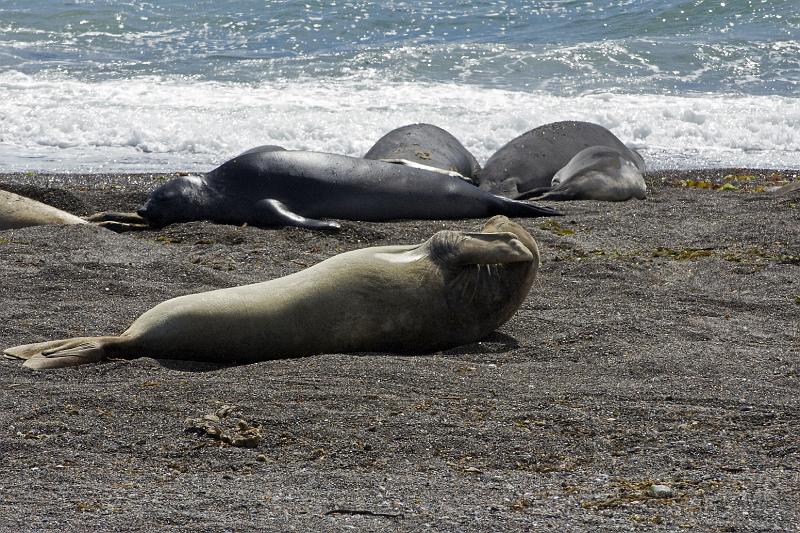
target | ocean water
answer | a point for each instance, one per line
(102, 85)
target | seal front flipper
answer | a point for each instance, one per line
(458, 249)
(272, 212)
(118, 222)
(116, 216)
(534, 194)
(559, 193)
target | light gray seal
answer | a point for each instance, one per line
(453, 289)
(297, 188)
(19, 211)
(596, 173)
(531, 160)
(425, 145)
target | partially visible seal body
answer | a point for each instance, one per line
(453, 289)
(297, 188)
(531, 160)
(18, 212)
(597, 173)
(427, 145)
(264, 148)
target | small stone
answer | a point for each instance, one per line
(261, 458)
(659, 491)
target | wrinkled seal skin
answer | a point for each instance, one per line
(597, 173)
(297, 188)
(428, 145)
(18, 212)
(453, 289)
(531, 160)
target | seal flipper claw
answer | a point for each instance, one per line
(271, 212)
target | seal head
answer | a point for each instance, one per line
(181, 199)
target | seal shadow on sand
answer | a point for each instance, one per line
(494, 343)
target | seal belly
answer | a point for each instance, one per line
(324, 309)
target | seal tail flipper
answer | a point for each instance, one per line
(60, 353)
(270, 212)
(517, 208)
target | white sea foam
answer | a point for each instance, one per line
(156, 124)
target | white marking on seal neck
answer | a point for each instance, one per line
(194, 179)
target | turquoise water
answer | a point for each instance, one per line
(166, 84)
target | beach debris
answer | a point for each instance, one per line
(659, 491)
(683, 254)
(554, 227)
(735, 182)
(33, 434)
(227, 426)
(363, 512)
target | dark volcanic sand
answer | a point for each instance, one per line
(659, 344)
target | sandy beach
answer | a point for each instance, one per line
(660, 345)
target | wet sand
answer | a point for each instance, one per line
(659, 345)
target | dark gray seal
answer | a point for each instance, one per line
(298, 188)
(428, 146)
(453, 289)
(597, 173)
(531, 160)
(264, 148)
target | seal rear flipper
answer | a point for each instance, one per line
(272, 212)
(490, 249)
(518, 208)
(60, 353)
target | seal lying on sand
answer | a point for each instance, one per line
(453, 289)
(18, 212)
(297, 188)
(531, 160)
(425, 145)
(595, 173)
